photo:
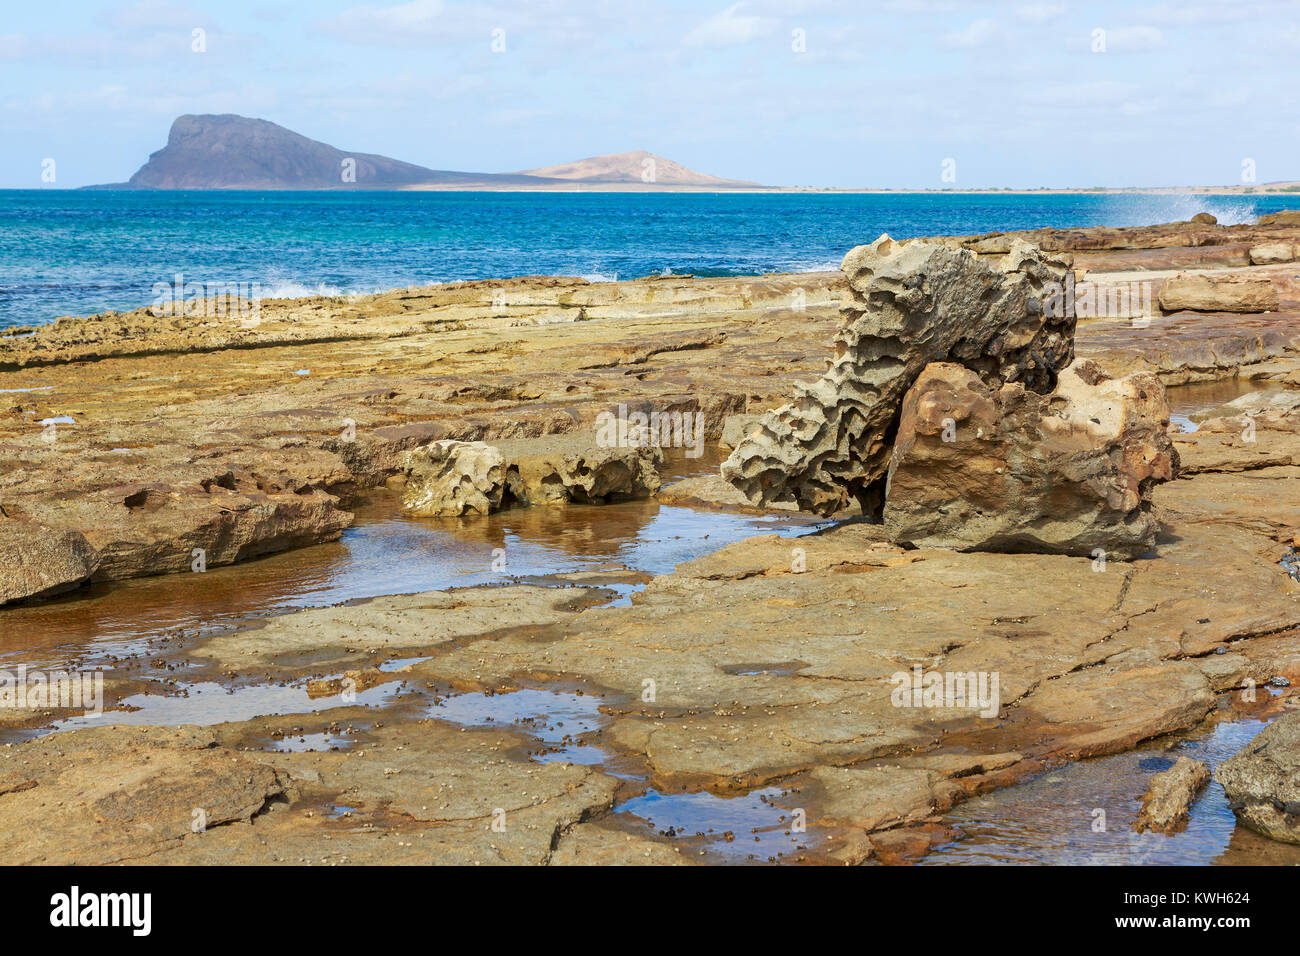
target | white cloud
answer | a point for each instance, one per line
(404, 23)
(729, 28)
(977, 34)
(155, 16)
(1096, 93)
(1040, 12)
(1134, 39)
(1181, 12)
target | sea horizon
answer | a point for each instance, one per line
(83, 252)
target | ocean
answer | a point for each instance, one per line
(82, 252)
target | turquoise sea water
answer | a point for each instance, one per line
(77, 253)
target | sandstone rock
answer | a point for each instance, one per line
(738, 427)
(908, 304)
(113, 794)
(1262, 781)
(876, 798)
(1268, 253)
(1170, 796)
(38, 562)
(1212, 293)
(1205, 218)
(711, 491)
(560, 468)
(975, 468)
(1287, 217)
(453, 478)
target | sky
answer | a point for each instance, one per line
(874, 93)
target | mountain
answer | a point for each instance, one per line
(638, 166)
(237, 152)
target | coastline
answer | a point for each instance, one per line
(210, 433)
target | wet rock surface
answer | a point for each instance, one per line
(1166, 803)
(775, 674)
(1263, 781)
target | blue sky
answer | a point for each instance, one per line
(880, 95)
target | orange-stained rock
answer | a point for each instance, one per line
(1070, 472)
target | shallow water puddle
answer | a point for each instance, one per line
(1189, 404)
(748, 827)
(555, 718)
(1051, 819)
(302, 743)
(212, 703)
(386, 552)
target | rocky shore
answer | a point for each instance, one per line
(767, 671)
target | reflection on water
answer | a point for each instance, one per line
(211, 703)
(547, 715)
(748, 827)
(1188, 403)
(385, 552)
(1051, 818)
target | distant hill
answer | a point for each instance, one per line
(638, 166)
(235, 152)
(226, 151)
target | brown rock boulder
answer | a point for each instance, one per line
(453, 478)
(37, 561)
(1287, 217)
(1262, 781)
(982, 469)
(1271, 253)
(1198, 292)
(560, 468)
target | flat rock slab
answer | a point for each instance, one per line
(114, 794)
(1203, 292)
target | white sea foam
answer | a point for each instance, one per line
(1179, 207)
(293, 289)
(829, 265)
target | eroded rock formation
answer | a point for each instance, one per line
(559, 468)
(908, 304)
(1263, 781)
(1007, 469)
(452, 478)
